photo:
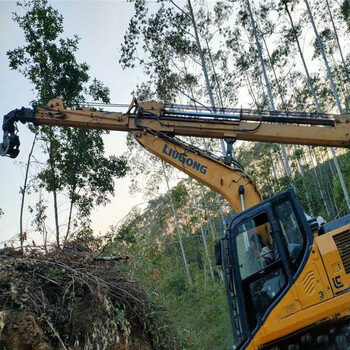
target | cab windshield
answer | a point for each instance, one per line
(260, 266)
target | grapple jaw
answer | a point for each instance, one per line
(10, 146)
(10, 143)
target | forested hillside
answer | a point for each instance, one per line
(163, 290)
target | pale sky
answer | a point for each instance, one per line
(101, 26)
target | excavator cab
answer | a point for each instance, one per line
(266, 247)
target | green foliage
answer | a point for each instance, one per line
(126, 234)
(311, 169)
(198, 312)
(145, 178)
(179, 195)
(326, 36)
(345, 11)
(53, 275)
(47, 60)
(40, 216)
(88, 181)
(201, 317)
(161, 42)
(164, 35)
(338, 193)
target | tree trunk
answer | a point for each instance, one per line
(69, 222)
(23, 191)
(302, 173)
(274, 175)
(184, 259)
(330, 164)
(330, 77)
(320, 46)
(210, 223)
(341, 179)
(319, 184)
(202, 230)
(269, 90)
(325, 183)
(303, 59)
(204, 68)
(215, 74)
(312, 87)
(72, 200)
(339, 46)
(53, 175)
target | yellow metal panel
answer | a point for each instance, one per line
(275, 327)
(310, 300)
(339, 279)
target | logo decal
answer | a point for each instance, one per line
(337, 282)
(184, 159)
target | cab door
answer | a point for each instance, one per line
(268, 245)
(261, 269)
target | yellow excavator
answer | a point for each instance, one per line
(287, 279)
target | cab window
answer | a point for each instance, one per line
(260, 266)
(255, 245)
(290, 229)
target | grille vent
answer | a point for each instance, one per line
(342, 241)
(308, 283)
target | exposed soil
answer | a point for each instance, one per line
(19, 331)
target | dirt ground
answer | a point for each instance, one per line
(19, 331)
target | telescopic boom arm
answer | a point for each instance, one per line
(154, 126)
(275, 127)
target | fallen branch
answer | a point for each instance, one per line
(110, 258)
(56, 334)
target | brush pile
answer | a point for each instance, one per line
(71, 301)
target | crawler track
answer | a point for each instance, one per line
(330, 335)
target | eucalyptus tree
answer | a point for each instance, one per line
(332, 31)
(204, 240)
(335, 94)
(171, 47)
(289, 32)
(177, 227)
(23, 191)
(320, 47)
(76, 165)
(345, 11)
(245, 41)
(204, 68)
(292, 34)
(337, 185)
(161, 34)
(345, 66)
(148, 180)
(267, 83)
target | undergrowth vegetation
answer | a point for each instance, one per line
(196, 310)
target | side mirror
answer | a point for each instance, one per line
(218, 254)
